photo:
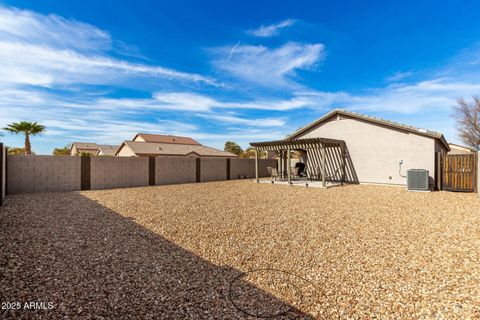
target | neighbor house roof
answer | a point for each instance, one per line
(170, 149)
(454, 146)
(86, 145)
(107, 150)
(387, 123)
(159, 138)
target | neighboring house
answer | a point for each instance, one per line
(106, 150)
(152, 145)
(377, 150)
(84, 147)
(458, 149)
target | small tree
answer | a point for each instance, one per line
(84, 154)
(13, 151)
(250, 154)
(65, 151)
(467, 116)
(26, 128)
(232, 147)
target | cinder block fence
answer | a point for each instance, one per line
(31, 174)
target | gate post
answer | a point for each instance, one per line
(477, 158)
(438, 170)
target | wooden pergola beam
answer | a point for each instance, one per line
(305, 143)
(284, 148)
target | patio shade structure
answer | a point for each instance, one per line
(287, 145)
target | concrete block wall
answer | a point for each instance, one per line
(118, 172)
(246, 168)
(262, 167)
(31, 174)
(242, 167)
(3, 172)
(213, 169)
(174, 170)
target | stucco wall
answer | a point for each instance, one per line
(117, 172)
(478, 173)
(172, 170)
(29, 174)
(375, 151)
(125, 152)
(213, 169)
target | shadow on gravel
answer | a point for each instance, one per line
(91, 262)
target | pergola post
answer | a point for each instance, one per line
(256, 165)
(342, 149)
(288, 165)
(280, 168)
(279, 160)
(322, 148)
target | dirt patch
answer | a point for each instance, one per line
(173, 251)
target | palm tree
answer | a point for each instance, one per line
(27, 128)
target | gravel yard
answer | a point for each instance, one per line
(211, 250)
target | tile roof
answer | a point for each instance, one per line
(150, 148)
(86, 145)
(388, 123)
(158, 138)
(108, 150)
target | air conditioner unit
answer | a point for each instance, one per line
(417, 180)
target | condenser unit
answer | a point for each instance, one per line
(417, 180)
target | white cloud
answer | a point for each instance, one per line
(433, 95)
(189, 101)
(50, 50)
(399, 75)
(269, 67)
(228, 118)
(272, 29)
(51, 30)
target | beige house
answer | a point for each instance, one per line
(458, 149)
(153, 145)
(84, 147)
(377, 150)
(92, 148)
(352, 147)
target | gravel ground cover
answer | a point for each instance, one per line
(236, 250)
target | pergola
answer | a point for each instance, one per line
(287, 145)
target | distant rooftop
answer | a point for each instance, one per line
(159, 138)
(86, 145)
(172, 149)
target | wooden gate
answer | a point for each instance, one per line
(459, 172)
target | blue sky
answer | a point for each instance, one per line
(246, 71)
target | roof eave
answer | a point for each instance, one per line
(432, 135)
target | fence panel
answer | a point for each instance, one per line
(246, 168)
(118, 172)
(3, 173)
(459, 172)
(29, 174)
(174, 170)
(213, 169)
(242, 168)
